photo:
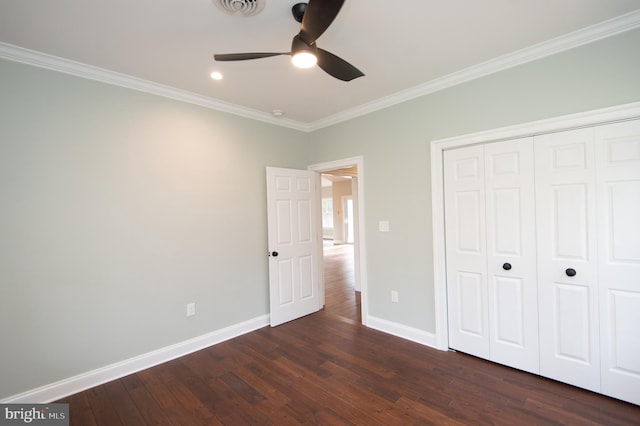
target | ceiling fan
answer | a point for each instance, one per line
(315, 17)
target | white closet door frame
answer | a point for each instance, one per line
(591, 118)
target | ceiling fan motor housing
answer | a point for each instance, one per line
(297, 45)
(298, 11)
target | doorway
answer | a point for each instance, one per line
(343, 259)
(341, 297)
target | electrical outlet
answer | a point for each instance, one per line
(191, 309)
(394, 296)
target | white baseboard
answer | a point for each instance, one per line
(75, 384)
(403, 331)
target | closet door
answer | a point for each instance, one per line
(490, 237)
(618, 191)
(466, 251)
(511, 254)
(567, 265)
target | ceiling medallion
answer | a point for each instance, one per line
(247, 7)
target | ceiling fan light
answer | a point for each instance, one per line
(304, 59)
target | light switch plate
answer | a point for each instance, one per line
(191, 309)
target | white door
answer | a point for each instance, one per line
(491, 256)
(292, 215)
(465, 238)
(567, 264)
(511, 254)
(618, 192)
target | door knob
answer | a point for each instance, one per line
(570, 272)
(274, 253)
(506, 266)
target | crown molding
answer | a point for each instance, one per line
(78, 69)
(581, 37)
(568, 41)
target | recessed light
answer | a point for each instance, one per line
(216, 75)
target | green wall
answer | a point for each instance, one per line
(119, 207)
(395, 144)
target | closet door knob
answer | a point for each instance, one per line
(570, 272)
(506, 266)
(274, 254)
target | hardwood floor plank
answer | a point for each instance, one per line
(80, 411)
(241, 388)
(122, 403)
(178, 402)
(149, 408)
(103, 410)
(271, 394)
(415, 411)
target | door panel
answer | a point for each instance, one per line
(304, 221)
(571, 322)
(283, 222)
(291, 211)
(622, 210)
(306, 277)
(506, 236)
(570, 228)
(470, 289)
(513, 292)
(285, 281)
(565, 217)
(468, 206)
(618, 191)
(509, 311)
(465, 250)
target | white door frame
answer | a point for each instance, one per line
(346, 218)
(360, 262)
(567, 122)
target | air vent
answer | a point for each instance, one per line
(247, 7)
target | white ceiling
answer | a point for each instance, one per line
(399, 45)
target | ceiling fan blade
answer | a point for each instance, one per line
(337, 67)
(245, 56)
(318, 15)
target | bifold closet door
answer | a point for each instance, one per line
(567, 265)
(511, 254)
(465, 237)
(618, 195)
(490, 249)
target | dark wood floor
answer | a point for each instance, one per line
(327, 369)
(340, 297)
